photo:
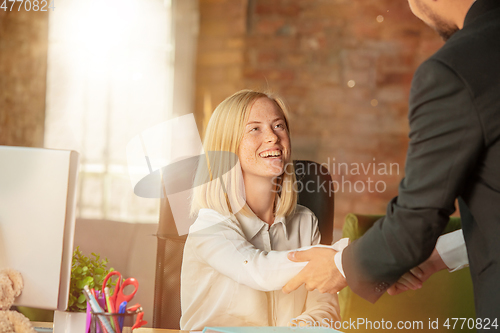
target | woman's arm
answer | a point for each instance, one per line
(224, 247)
(322, 308)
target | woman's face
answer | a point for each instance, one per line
(265, 147)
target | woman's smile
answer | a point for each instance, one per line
(270, 153)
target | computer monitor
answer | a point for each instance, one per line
(37, 221)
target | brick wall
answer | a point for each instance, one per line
(343, 66)
(23, 68)
(220, 59)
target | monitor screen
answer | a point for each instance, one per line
(37, 221)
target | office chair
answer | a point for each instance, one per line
(313, 183)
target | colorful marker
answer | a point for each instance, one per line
(97, 310)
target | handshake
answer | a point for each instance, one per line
(324, 274)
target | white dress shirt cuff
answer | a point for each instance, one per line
(451, 248)
(340, 246)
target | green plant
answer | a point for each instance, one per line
(86, 271)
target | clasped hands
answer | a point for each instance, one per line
(322, 274)
(417, 276)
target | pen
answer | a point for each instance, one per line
(108, 303)
(121, 310)
(100, 299)
(88, 320)
(97, 309)
(111, 309)
(101, 303)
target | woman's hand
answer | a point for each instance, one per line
(320, 273)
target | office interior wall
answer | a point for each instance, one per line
(131, 251)
(308, 51)
(344, 67)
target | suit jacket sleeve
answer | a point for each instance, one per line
(445, 142)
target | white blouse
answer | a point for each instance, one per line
(233, 272)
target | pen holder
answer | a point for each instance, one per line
(103, 322)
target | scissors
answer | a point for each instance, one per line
(118, 296)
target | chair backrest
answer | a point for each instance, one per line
(444, 295)
(167, 299)
(315, 188)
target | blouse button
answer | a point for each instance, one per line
(245, 262)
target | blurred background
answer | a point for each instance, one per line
(90, 75)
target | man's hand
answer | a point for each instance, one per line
(417, 276)
(320, 273)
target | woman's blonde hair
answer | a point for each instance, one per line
(223, 134)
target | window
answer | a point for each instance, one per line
(110, 76)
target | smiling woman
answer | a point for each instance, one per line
(234, 262)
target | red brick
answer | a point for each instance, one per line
(392, 94)
(388, 78)
(221, 58)
(268, 26)
(266, 8)
(400, 61)
(268, 57)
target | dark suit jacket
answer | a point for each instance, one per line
(454, 151)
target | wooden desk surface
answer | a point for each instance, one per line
(139, 330)
(156, 330)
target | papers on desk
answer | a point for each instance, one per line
(269, 330)
(42, 327)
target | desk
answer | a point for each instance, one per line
(139, 330)
(157, 330)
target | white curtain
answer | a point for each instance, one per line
(112, 69)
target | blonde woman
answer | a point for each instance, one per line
(234, 263)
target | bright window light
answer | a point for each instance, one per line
(109, 78)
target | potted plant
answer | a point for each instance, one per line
(85, 271)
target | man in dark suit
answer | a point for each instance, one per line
(454, 152)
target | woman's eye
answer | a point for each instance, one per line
(254, 129)
(280, 126)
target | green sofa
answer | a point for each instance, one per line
(444, 296)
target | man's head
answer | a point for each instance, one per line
(444, 16)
